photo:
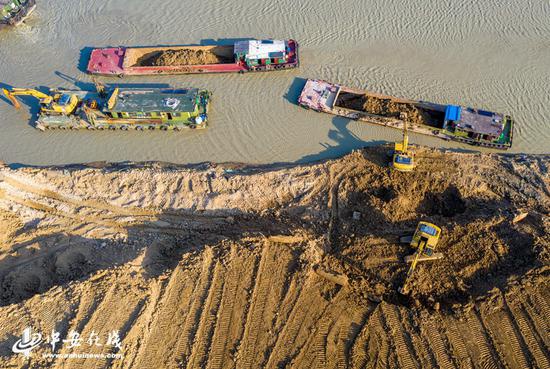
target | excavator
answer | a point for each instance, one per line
(403, 158)
(62, 104)
(424, 240)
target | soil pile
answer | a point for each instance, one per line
(181, 57)
(237, 266)
(383, 107)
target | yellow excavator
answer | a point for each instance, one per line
(403, 158)
(62, 104)
(424, 240)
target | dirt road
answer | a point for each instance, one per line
(243, 267)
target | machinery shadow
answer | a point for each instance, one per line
(295, 89)
(345, 142)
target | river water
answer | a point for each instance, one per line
(492, 54)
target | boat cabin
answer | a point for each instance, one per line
(167, 105)
(475, 124)
(13, 12)
(8, 8)
(261, 52)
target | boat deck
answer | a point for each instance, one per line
(481, 121)
(156, 101)
(107, 61)
(318, 95)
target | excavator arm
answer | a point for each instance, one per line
(404, 290)
(12, 98)
(10, 94)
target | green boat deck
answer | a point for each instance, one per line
(147, 101)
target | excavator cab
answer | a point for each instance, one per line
(403, 158)
(426, 237)
(64, 104)
(424, 240)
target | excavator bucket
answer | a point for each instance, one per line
(12, 98)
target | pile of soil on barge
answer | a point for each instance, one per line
(384, 107)
(173, 57)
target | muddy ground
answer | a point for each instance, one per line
(245, 267)
(181, 57)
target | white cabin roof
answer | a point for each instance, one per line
(260, 49)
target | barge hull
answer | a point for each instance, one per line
(322, 96)
(81, 120)
(123, 61)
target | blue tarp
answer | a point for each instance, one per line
(452, 113)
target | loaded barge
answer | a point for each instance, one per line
(14, 12)
(449, 122)
(119, 108)
(242, 56)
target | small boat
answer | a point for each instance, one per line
(449, 122)
(119, 108)
(14, 12)
(242, 56)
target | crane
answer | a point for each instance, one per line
(403, 158)
(59, 103)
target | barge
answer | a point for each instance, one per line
(119, 108)
(241, 57)
(14, 12)
(449, 122)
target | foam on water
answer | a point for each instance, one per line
(491, 54)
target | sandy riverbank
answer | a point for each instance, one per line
(239, 266)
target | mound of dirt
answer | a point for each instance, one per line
(281, 267)
(181, 57)
(383, 107)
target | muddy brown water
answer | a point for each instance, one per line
(491, 55)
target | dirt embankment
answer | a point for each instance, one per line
(242, 267)
(182, 57)
(385, 108)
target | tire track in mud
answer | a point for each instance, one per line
(104, 321)
(540, 324)
(172, 307)
(382, 351)
(424, 352)
(488, 356)
(403, 344)
(349, 320)
(192, 319)
(456, 342)
(205, 331)
(304, 315)
(501, 324)
(99, 205)
(530, 336)
(317, 352)
(268, 301)
(101, 212)
(437, 345)
(249, 343)
(229, 327)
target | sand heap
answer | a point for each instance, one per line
(182, 57)
(382, 107)
(244, 267)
